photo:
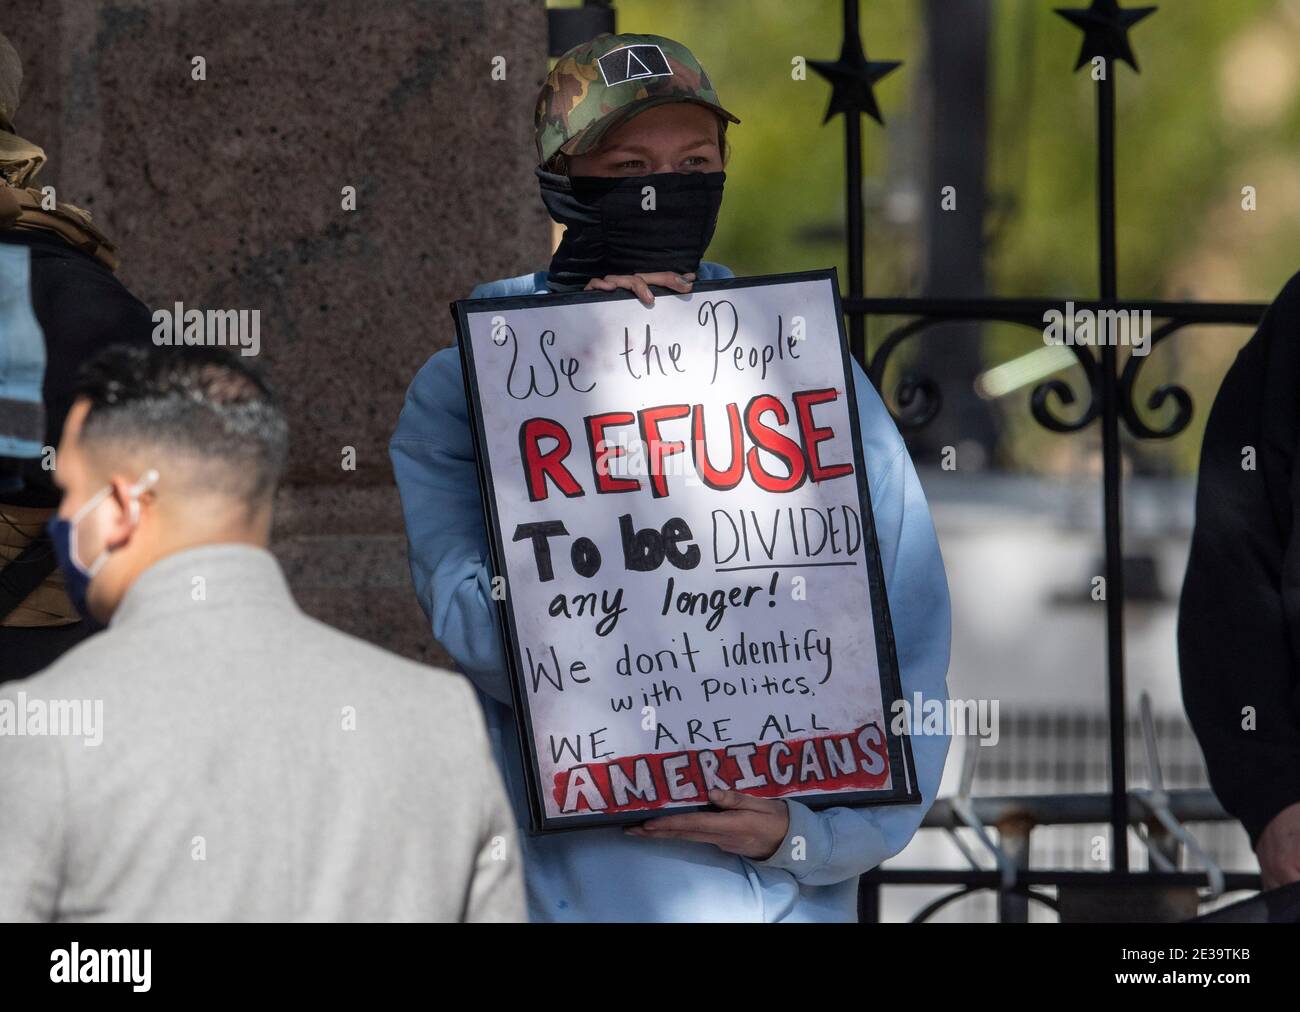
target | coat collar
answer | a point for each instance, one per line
(209, 576)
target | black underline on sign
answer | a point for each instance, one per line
(784, 565)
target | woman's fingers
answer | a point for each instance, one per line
(639, 284)
(670, 279)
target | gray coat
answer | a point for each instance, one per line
(255, 764)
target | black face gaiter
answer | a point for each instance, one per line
(611, 228)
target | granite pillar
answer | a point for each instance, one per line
(227, 193)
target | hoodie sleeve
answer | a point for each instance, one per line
(835, 844)
(433, 461)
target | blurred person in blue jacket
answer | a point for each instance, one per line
(616, 114)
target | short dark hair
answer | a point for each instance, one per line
(205, 403)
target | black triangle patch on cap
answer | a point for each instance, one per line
(634, 63)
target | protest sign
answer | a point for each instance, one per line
(685, 560)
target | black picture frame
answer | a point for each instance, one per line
(899, 746)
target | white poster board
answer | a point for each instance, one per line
(686, 563)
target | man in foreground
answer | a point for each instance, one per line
(215, 754)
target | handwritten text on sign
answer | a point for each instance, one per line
(677, 497)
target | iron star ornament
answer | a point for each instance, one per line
(1105, 27)
(852, 77)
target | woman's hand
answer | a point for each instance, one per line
(748, 826)
(640, 283)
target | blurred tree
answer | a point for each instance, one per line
(951, 96)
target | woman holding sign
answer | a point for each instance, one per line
(618, 117)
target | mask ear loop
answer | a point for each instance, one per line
(89, 505)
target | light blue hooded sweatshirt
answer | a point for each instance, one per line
(602, 874)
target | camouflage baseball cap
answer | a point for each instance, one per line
(598, 85)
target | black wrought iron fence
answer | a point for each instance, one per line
(1111, 399)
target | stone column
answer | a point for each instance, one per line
(228, 192)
